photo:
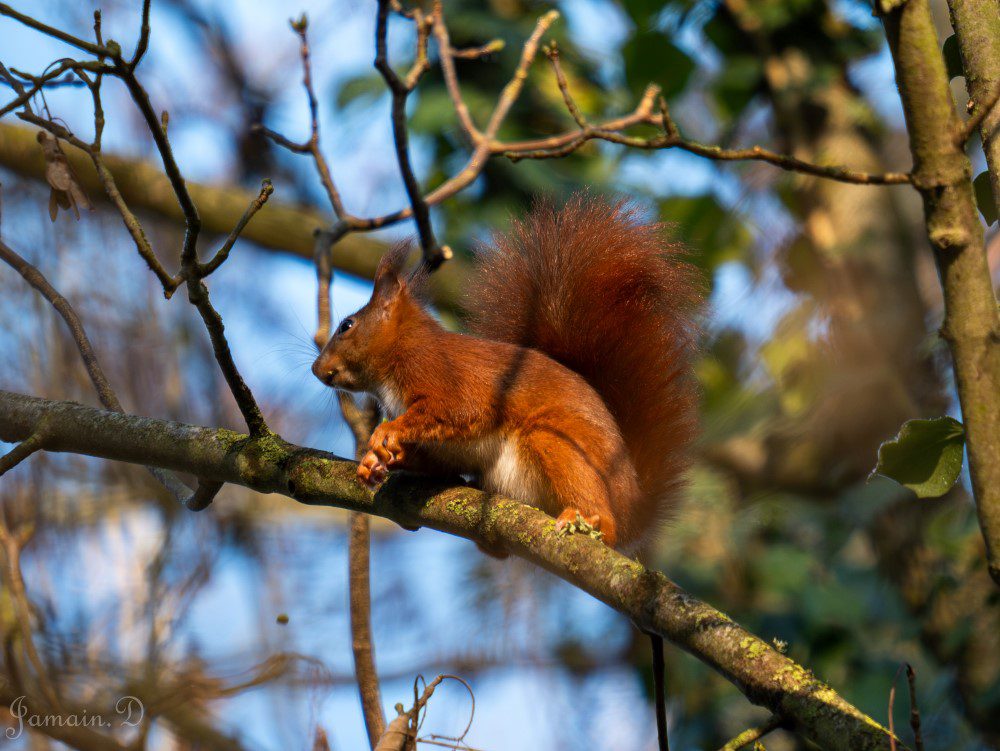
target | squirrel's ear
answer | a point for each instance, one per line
(389, 277)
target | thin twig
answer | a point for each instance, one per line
(22, 451)
(421, 62)
(475, 53)
(562, 145)
(312, 145)
(981, 113)
(552, 53)
(197, 291)
(434, 254)
(513, 88)
(37, 84)
(94, 49)
(143, 43)
(911, 679)
(446, 55)
(660, 692)
(752, 735)
(190, 267)
(266, 189)
(198, 295)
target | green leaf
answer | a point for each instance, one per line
(953, 57)
(926, 456)
(984, 197)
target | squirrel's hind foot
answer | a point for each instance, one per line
(572, 521)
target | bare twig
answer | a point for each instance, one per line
(752, 735)
(434, 254)
(513, 88)
(565, 144)
(911, 679)
(191, 271)
(197, 291)
(312, 145)
(97, 50)
(266, 189)
(981, 113)
(447, 57)
(37, 83)
(552, 53)
(659, 692)
(143, 43)
(22, 451)
(421, 62)
(474, 53)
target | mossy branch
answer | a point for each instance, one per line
(653, 602)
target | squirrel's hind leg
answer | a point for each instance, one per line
(576, 484)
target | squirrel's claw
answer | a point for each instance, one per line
(371, 471)
(385, 445)
(571, 521)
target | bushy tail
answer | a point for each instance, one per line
(609, 297)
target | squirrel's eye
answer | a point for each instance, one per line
(345, 325)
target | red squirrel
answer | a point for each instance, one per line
(573, 390)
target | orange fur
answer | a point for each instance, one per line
(574, 394)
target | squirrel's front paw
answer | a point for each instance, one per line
(386, 446)
(371, 471)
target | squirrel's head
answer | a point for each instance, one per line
(357, 354)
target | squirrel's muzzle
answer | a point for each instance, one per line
(323, 371)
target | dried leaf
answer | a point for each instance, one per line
(66, 192)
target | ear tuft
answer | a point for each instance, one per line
(389, 277)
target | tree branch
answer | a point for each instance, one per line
(270, 465)
(971, 324)
(977, 28)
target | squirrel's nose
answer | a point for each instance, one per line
(322, 372)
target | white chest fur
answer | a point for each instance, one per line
(506, 472)
(391, 401)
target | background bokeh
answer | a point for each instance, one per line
(820, 341)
